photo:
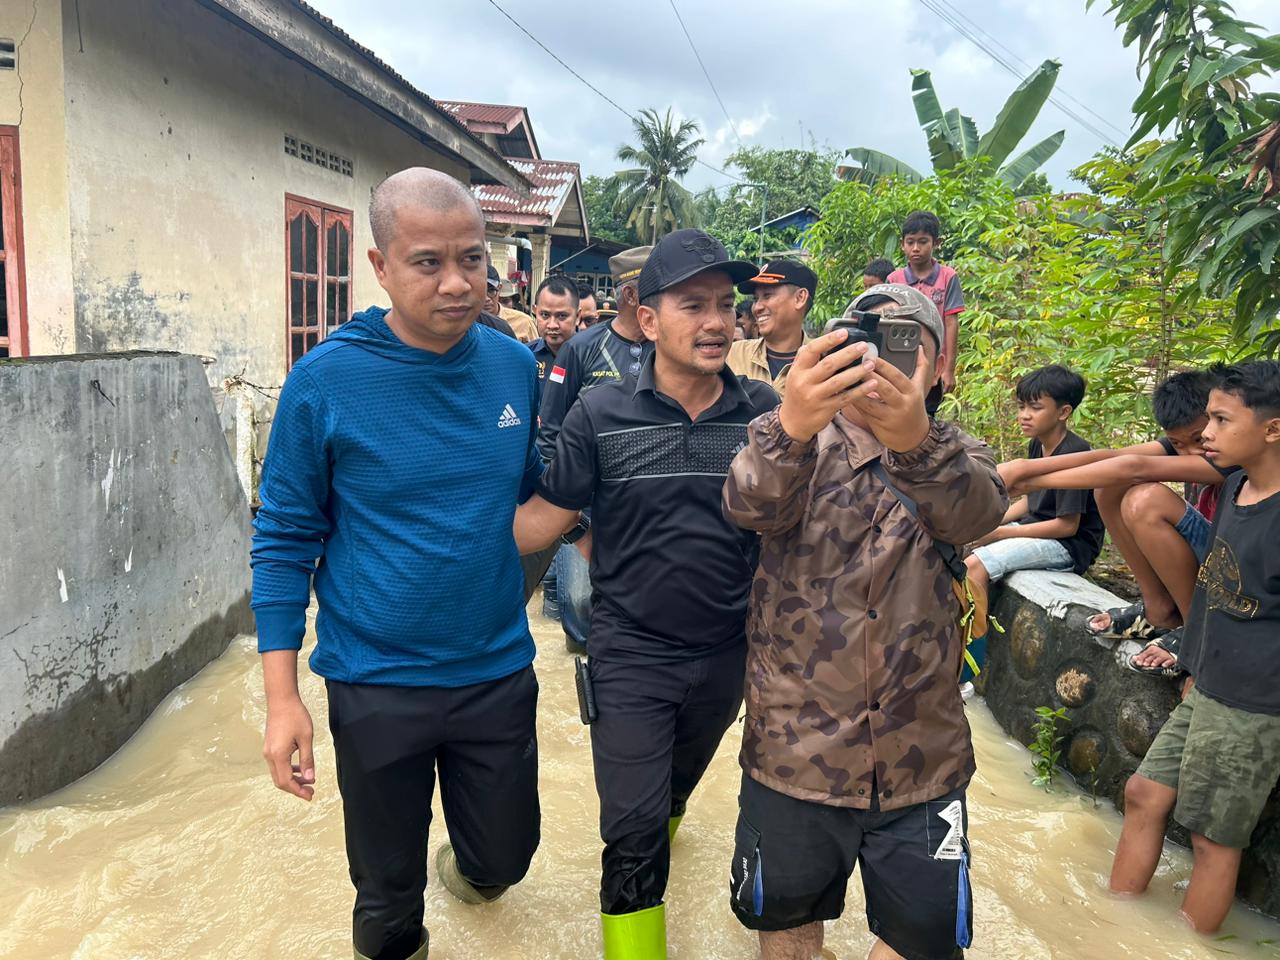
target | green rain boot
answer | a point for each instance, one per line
(447, 872)
(635, 936)
(673, 825)
(419, 954)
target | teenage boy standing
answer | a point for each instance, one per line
(937, 281)
(783, 292)
(856, 748)
(670, 574)
(1217, 758)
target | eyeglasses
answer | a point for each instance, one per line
(636, 351)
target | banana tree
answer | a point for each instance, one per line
(953, 137)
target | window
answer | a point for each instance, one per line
(8, 55)
(13, 319)
(318, 257)
(310, 153)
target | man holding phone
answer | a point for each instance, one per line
(855, 746)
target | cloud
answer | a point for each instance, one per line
(828, 73)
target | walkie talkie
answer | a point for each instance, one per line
(586, 696)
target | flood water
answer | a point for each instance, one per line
(180, 847)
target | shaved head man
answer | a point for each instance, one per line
(400, 447)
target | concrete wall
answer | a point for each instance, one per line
(124, 565)
(32, 98)
(1047, 657)
(176, 121)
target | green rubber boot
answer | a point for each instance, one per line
(447, 872)
(673, 825)
(635, 936)
(419, 954)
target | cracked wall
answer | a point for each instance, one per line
(126, 563)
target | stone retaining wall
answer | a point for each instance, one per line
(1047, 657)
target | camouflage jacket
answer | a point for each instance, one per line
(854, 658)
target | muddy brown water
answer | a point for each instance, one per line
(180, 847)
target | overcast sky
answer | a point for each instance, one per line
(824, 70)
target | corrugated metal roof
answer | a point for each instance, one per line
(553, 181)
(499, 113)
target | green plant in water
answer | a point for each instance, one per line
(1045, 745)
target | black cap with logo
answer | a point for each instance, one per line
(777, 272)
(684, 254)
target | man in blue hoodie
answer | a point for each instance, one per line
(400, 448)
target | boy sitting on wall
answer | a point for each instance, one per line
(1050, 529)
(1217, 758)
(1162, 536)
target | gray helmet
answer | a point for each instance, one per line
(911, 304)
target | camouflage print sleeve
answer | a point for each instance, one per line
(768, 482)
(953, 480)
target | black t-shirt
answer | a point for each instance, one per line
(497, 323)
(1086, 544)
(1232, 640)
(670, 575)
(777, 361)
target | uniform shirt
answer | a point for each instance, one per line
(750, 358)
(670, 575)
(545, 360)
(1086, 543)
(941, 285)
(592, 358)
(522, 325)
(1232, 640)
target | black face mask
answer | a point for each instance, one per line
(933, 399)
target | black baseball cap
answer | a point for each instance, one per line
(684, 254)
(495, 280)
(777, 272)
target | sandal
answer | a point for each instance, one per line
(1170, 643)
(1129, 623)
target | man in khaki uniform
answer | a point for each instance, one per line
(523, 325)
(855, 747)
(784, 292)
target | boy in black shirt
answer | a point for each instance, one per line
(1048, 529)
(1217, 758)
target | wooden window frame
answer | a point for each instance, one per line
(12, 261)
(325, 215)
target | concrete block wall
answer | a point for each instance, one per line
(1047, 657)
(124, 562)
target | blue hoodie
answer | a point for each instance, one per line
(393, 476)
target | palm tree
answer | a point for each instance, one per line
(954, 137)
(649, 194)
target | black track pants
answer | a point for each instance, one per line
(390, 741)
(659, 726)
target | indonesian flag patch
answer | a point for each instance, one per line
(557, 375)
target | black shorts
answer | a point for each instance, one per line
(792, 861)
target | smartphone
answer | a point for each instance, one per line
(895, 341)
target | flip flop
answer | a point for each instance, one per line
(1129, 623)
(1170, 643)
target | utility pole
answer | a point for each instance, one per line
(764, 205)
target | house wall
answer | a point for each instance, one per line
(176, 119)
(32, 98)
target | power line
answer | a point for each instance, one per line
(596, 90)
(955, 24)
(957, 11)
(710, 82)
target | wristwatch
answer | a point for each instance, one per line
(578, 531)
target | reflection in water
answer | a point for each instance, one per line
(180, 847)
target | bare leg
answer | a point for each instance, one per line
(882, 951)
(1152, 512)
(1161, 608)
(977, 572)
(1213, 884)
(1147, 806)
(798, 943)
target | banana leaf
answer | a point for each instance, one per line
(1028, 162)
(872, 165)
(1019, 113)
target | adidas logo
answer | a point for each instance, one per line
(509, 417)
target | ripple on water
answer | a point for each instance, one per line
(180, 847)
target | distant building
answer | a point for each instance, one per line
(194, 175)
(523, 227)
(799, 221)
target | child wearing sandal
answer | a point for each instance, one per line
(1217, 758)
(1162, 536)
(1050, 529)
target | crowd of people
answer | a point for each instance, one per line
(750, 515)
